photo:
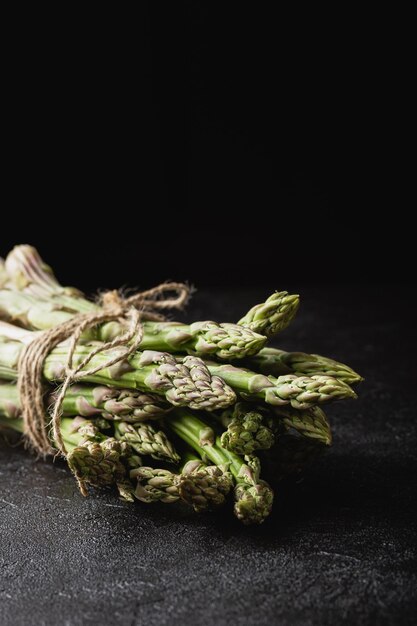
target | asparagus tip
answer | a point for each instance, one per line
(253, 502)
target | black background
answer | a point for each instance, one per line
(214, 142)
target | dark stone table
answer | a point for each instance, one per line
(340, 546)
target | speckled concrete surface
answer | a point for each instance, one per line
(339, 548)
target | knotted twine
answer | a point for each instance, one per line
(129, 312)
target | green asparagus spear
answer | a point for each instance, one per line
(155, 485)
(202, 487)
(270, 361)
(253, 497)
(246, 431)
(299, 391)
(272, 316)
(98, 464)
(147, 440)
(310, 423)
(95, 400)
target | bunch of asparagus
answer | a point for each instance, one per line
(189, 417)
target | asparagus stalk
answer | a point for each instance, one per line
(184, 383)
(201, 486)
(204, 486)
(272, 316)
(75, 430)
(270, 361)
(147, 440)
(224, 341)
(95, 400)
(246, 431)
(99, 464)
(155, 485)
(29, 273)
(253, 497)
(9, 401)
(299, 391)
(15, 424)
(114, 404)
(311, 423)
(272, 422)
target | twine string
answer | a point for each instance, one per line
(129, 312)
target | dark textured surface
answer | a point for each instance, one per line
(340, 546)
